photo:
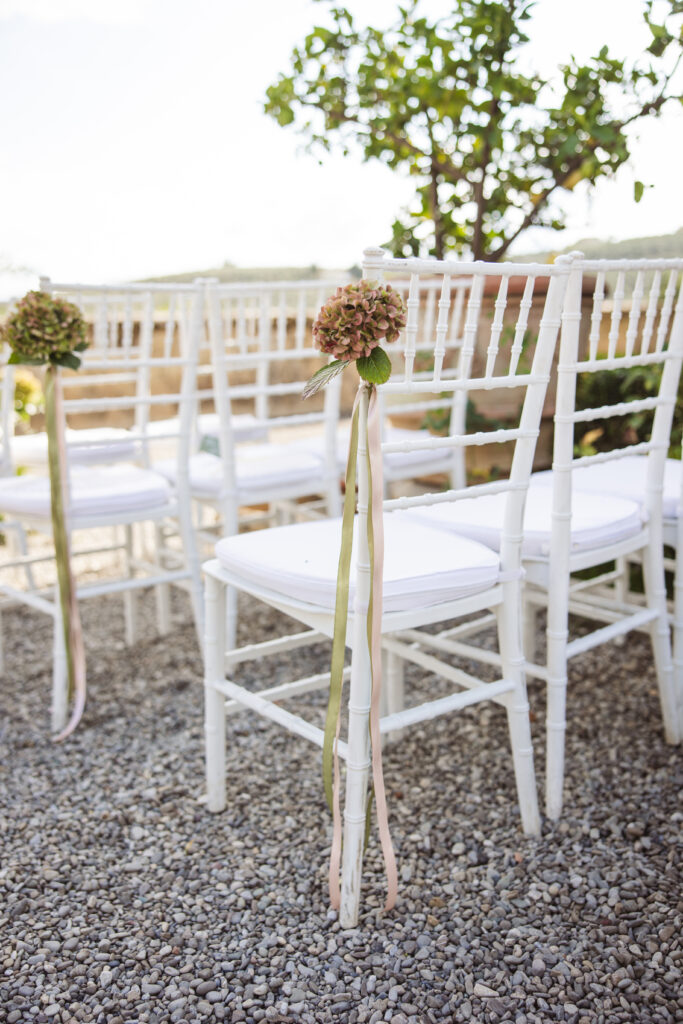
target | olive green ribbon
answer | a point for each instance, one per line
(70, 616)
(331, 774)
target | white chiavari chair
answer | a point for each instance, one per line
(642, 318)
(571, 527)
(120, 381)
(428, 577)
(259, 365)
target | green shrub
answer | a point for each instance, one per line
(611, 386)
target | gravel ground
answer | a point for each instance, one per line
(124, 900)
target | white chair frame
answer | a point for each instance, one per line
(549, 580)
(400, 629)
(621, 617)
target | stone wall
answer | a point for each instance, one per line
(493, 405)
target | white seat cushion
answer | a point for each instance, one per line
(258, 467)
(84, 447)
(596, 520)
(422, 567)
(623, 478)
(245, 426)
(97, 490)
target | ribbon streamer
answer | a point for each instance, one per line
(331, 774)
(70, 615)
(376, 548)
(331, 780)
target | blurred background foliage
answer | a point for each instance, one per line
(491, 147)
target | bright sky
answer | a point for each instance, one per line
(134, 142)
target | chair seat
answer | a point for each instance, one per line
(422, 567)
(245, 426)
(90, 445)
(258, 467)
(597, 520)
(95, 491)
(623, 478)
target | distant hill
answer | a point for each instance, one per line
(655, 246)
(662, 246)
(229, 274)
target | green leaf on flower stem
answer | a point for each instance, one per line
(322, 377)
(16, 359)
(375, 368)
(68, 359)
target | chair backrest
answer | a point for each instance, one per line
(267, 317)
(448, 319)
(639, 327)
(262, 355)
(501, 370)
(141, 364)
(443, 318)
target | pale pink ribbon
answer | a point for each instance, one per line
(377, 495)
(71, 619)
(374, 449)
(335, 852)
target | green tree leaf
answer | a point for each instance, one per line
(638, 189)
(375, 368)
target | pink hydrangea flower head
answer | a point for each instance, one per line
(44, 329)
(357, 318)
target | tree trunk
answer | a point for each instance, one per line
(437, 218)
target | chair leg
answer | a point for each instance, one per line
(655, 592)
(333, 498)
(192, 563)
(517, 706)
(230, 621)
(557, 634)
(214, 701)
(621, 589)
(60, 676)
(163, 590)
(678, 634)
(529, 626)
(19, 541)
(282, 513)
(393, 690)
(129, 596)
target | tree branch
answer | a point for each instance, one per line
(648, 108)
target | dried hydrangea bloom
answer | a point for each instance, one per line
(357, 318)
(44, 329)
